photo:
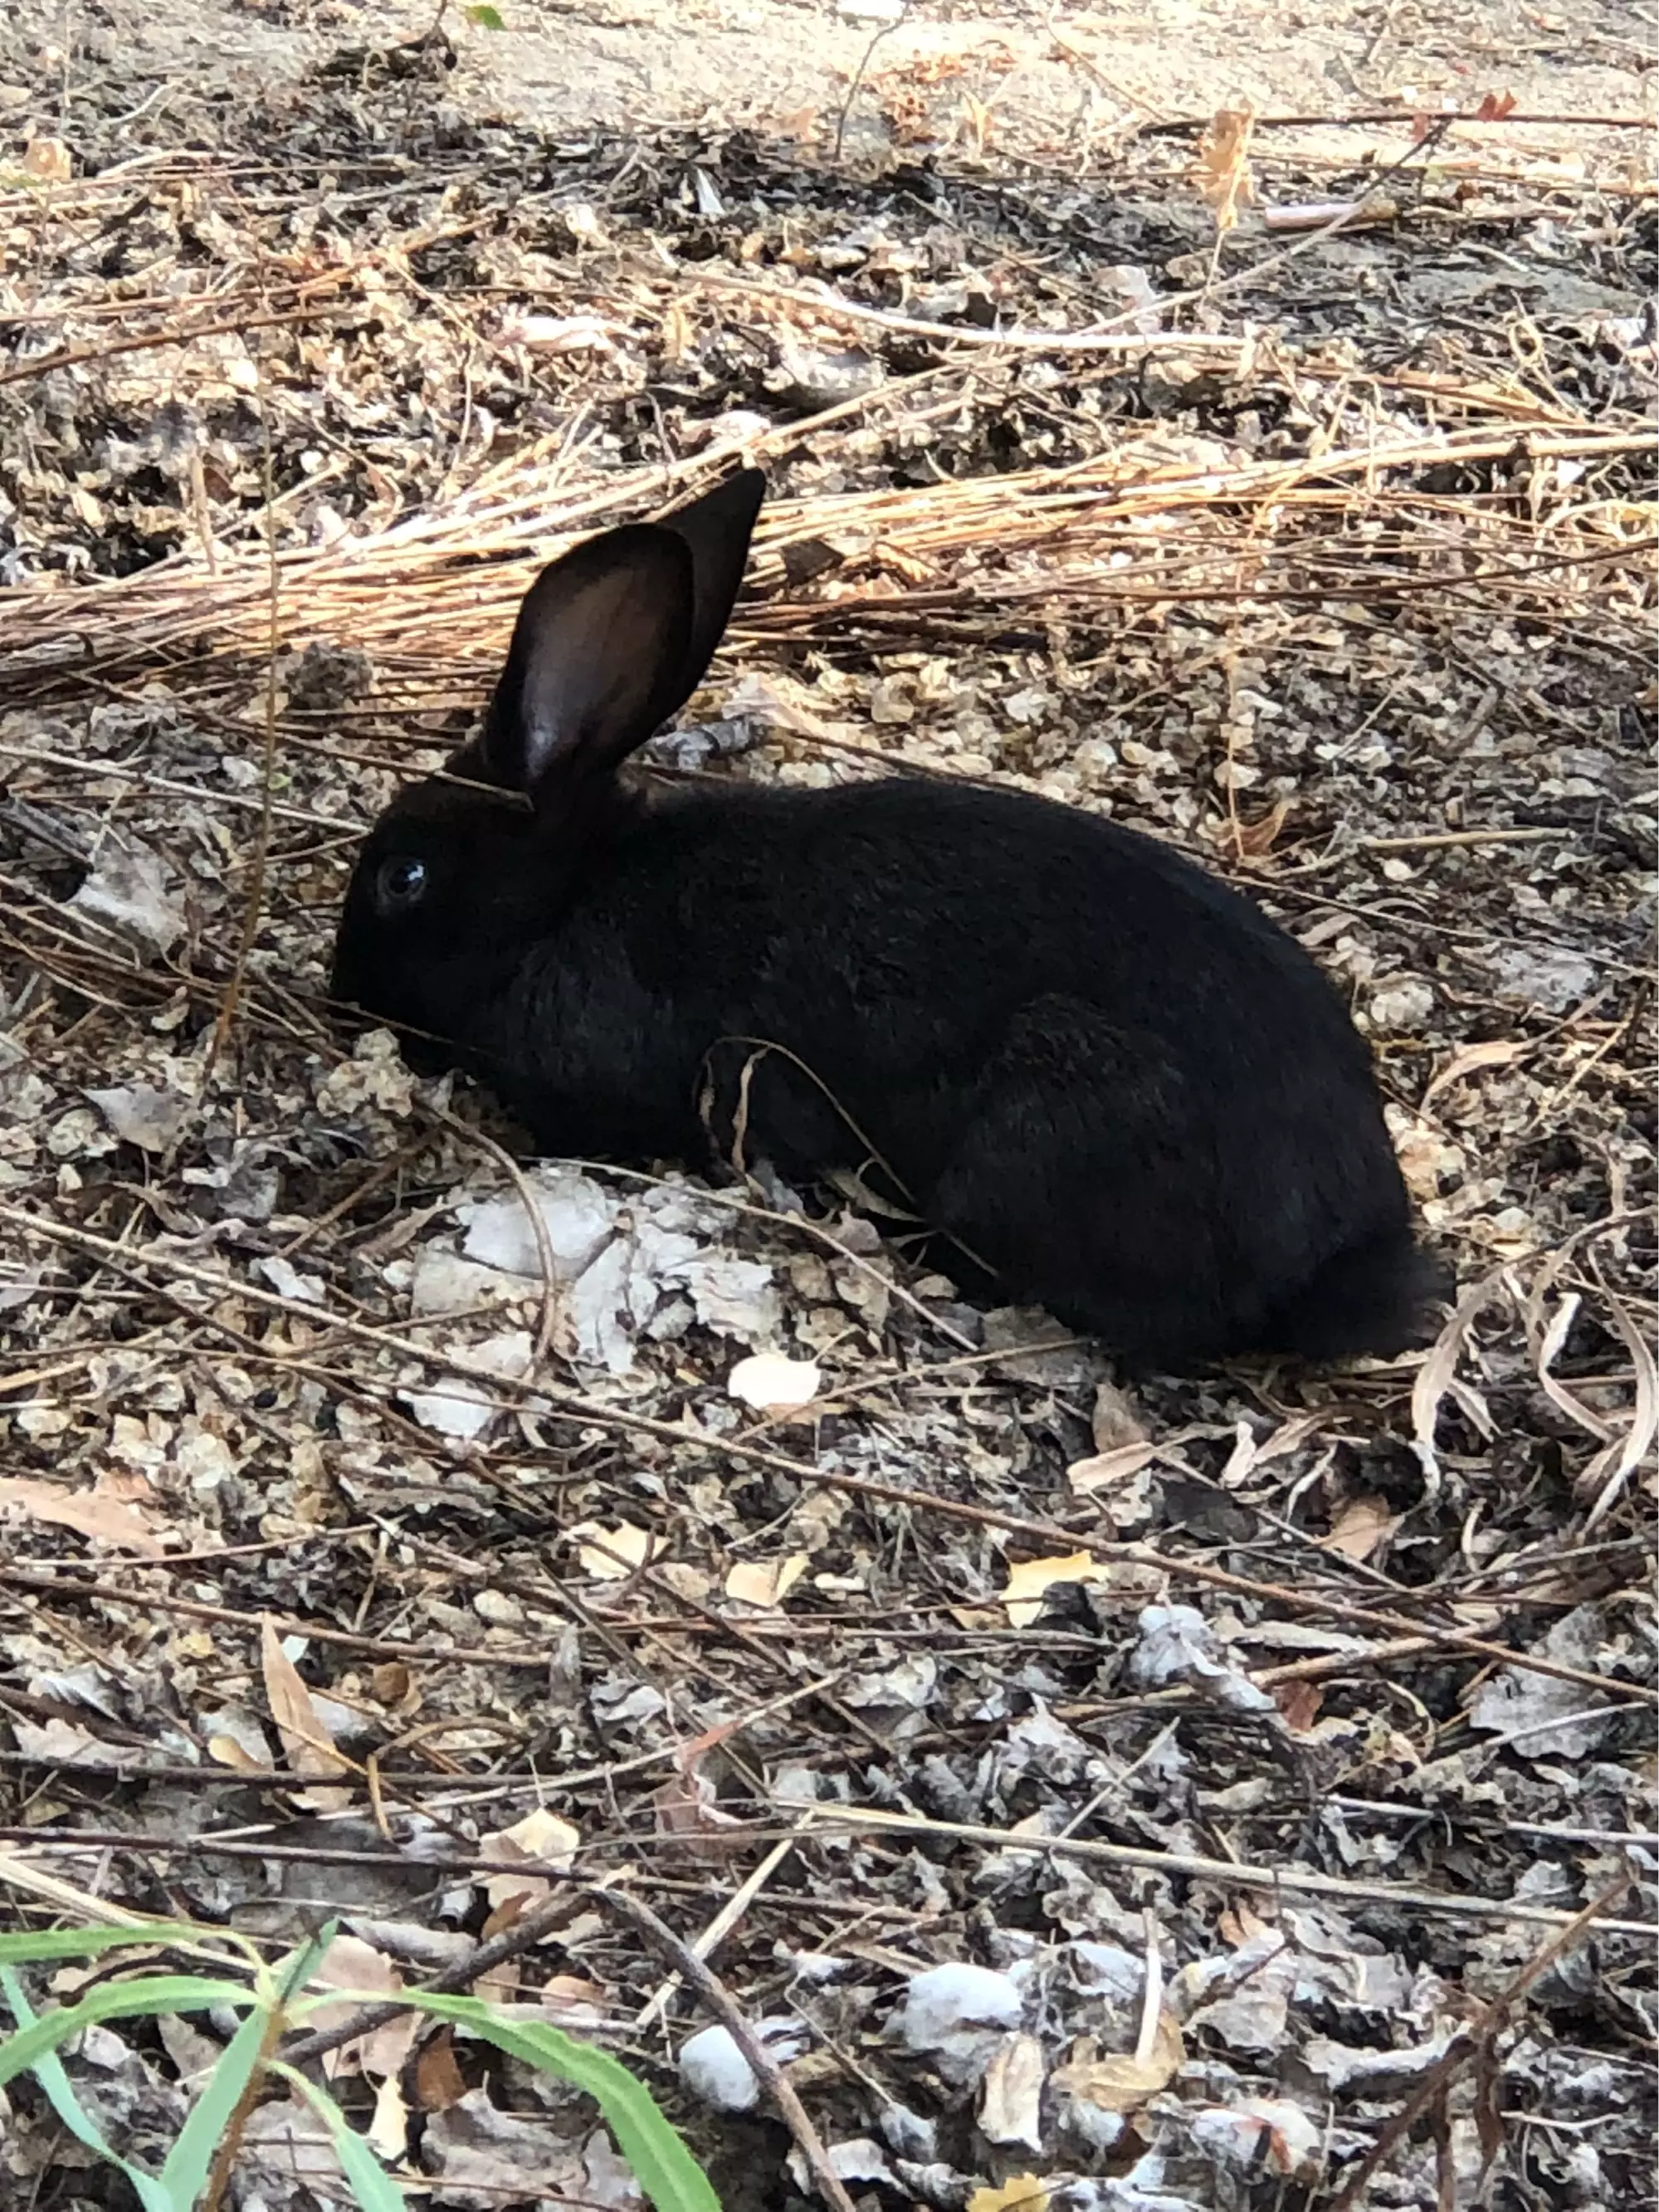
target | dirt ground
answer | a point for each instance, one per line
(1108, 1795)
(752, 61)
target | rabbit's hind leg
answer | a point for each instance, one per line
(1082, 1175)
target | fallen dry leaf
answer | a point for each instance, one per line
(439, 2082)
(765, 1582)
(1121, 2082)
(305, 1738)
(127, 892)
(1253, 839)
(572, 2003)
(142, 1113)
(685, 1803)
(611, 1555)
(1264, 2135)
(225, 1751)
(1299, 1704)
(1114, 1421)
(48, 160)
(1360, 1527)
(1494, 1052)
(800, 124)
(977, 122)
(1029, 1580)
(542, 1836)
(1435, 1378)
(1223, 174)
(1291, 1436)
(1602, 1480)
(557, 333)
(90, 1512)
(388, 2128)
(1237, 1925)
(1102, 1469)
(1021, 2192)
(350, 1964)
(546, 1843)
(1010, 2097)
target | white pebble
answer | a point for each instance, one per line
(713, 2068)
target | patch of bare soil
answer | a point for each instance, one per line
(1221, 1793)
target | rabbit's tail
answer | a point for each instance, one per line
(1371, 1297)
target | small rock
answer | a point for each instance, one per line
(713, 2068)
(768, 1381)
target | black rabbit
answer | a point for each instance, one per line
(1105, 1077)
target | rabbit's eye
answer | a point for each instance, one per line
(400, 882)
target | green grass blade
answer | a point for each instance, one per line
(152, 2194)
(40, 1944)
(662, 2166)
(375, 2189)
(114, 2000)
(188, 2164)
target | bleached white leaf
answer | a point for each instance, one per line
(1010, 2096)
(738, 1297)
(958, 2014)
(1545, 975)
(1177, 1645)
(1259, 2135)
(127, 891)
(576, 1214)
(286, 1279)
(463, 1406)
(142, 1113)
(558, 333)
(598, 1306)
(18, 1282)
(612, 1553)
(443, 1282)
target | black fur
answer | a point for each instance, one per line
(1108, 1079)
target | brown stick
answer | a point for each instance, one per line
(1485, 2025)
(480, 1959)
(1189, 127)
(70, 356)
(719, 2001)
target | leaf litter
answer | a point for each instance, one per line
(669, 1539)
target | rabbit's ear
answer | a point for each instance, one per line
(597, 658)
(717, 529)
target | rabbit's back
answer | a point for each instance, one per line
(910, 921)
(1109, 1078)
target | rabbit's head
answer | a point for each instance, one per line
(463, 872)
